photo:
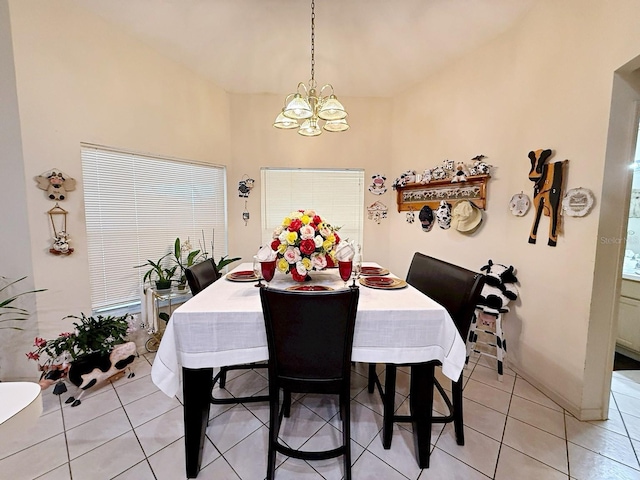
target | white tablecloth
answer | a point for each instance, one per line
(223, 325)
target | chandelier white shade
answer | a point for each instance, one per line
(310, 110)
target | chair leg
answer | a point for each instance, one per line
(286, 403)
(223, 377)
(345, 411)
(388, 401)
(458, 424)
(274, 427)
(472, 337)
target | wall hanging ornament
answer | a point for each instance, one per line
(245, 186)
(58, 217)
(377, 186)
(245, 214)
(578, 202)
(377, 211)
(519, 204)
(411, 216)
(56, 184)
(547, 192)
(427, 218)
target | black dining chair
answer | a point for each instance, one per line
(456, 289)
(199, 277)
(309, 336)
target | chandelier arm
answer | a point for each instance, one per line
(328, 85)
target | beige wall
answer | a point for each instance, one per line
(545, 84)
(80, 80)
(255, 144)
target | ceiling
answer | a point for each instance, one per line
(363, 47)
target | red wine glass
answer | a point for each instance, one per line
(268, 270)
(345, 271)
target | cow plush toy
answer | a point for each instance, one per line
(499, 289)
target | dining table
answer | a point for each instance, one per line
(224, 325)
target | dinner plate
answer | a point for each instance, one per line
(242, 276)
(309, 288)
(369, 271)
(384, 283)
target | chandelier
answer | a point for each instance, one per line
(310, 110)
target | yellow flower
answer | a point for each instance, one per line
(283, 265)
(307, 263)
(331, 238)
(326, 245)
(282, 248)
(286, 222)
(305, 219)
(292, 237)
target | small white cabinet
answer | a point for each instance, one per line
(629, 317)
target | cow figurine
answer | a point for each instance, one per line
(91, 370)
(547, 192)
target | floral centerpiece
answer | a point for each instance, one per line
(304, 242)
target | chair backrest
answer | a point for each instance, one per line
(201, 275)
(309, 336)
(455, 288)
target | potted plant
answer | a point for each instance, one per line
(158, 273)
(193, 257)
(9, 312)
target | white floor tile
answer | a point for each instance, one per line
(329, 437)
(231, 427)
(524, 389)
(161, 431)
(140, 471)
(587, 465)
(401, 456)
(169, 463)
(443, 466)
(149, 407)
(632, 424)
(487, 395)
(627, 404)
(365, 424)
(47, 426)
(217, 470)
(537, 415)
(536, 443)
(138, 388)
(60, 473)
(96, 432)
(370, 467)
(490, 377)
(90, 408)
(515, 465)
(599, 440)
(36, 460)
(478, 451)
(484, 419)
(110, 459)
(253, 447)
(614, 422)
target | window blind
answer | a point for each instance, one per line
(336, 195)
(135, 207)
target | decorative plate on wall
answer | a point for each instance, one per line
(578, 202)
(519, 204)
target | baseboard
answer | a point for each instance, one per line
(628, 353)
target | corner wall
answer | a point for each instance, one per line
(545, 84)
(81, 80)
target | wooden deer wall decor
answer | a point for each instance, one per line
(547, 191)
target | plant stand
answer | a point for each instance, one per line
(164, 302)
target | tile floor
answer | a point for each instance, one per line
(130, 430)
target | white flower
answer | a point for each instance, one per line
(300, 268)
(186, 246)
(295, 214)
(278, 231)
(318, 240)
(310, 213)
(325, 230)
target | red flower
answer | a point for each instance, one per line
(330, 261)
(275, 244)
(317, 220)
(296, 276)
(32, 356)
(65, 334)
(39, 342)
(295, 225)
(335, 234)
(307, 247)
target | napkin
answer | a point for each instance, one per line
(345, 252)
(265, 254)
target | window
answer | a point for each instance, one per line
(336, 195)
(135, 207)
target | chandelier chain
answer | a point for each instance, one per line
(313, 38)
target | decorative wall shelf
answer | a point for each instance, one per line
(416, 195)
